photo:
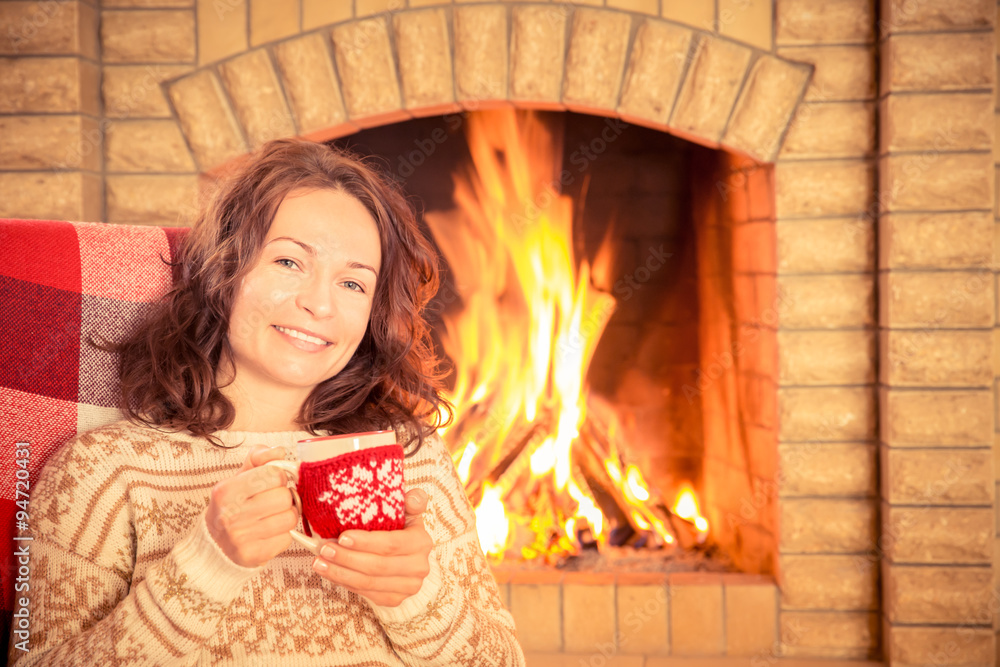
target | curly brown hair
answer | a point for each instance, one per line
(168, 367)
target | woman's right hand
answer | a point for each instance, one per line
(249, 515)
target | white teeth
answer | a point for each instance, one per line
(298, 334)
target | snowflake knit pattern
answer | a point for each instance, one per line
(361, 490)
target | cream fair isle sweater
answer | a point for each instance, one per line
(124, 571)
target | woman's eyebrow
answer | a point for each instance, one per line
(305, 246)
(312, 252)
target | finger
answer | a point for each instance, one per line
(264, 504)
(408, 565)
(261, 456)
(243, 531)
(262, 478)
(248, 463)
(410, 540)
(415, 502)
(362, 583)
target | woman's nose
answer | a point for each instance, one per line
(316, 296)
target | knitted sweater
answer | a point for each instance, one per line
(125, 572)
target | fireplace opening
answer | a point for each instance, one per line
(609, 312)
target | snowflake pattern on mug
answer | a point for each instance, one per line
(363, 489)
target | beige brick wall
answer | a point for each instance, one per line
(50, 136)
(936, 317)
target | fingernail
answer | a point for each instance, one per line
(328, 552)
(320, 566)
(345, 541)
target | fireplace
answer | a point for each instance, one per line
(851, 349)
(639, 269)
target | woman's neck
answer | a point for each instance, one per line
(262, 412)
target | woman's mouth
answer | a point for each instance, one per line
(302, 336)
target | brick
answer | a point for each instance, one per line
(844, 634)
(709, 90)
(696, 615)
(747, 21)
(937, 122)
(537, 48)
(826, 301)
(840, 72)
(306, 70)
(369, 7)
(133, 91)
(937, 418)
(826, 357)
(480, 53)
(947, 299)
(643, 619)
(222, 28)
(209, 125)
(50, 29)
(271, 20)
(146, 146)
(933, 358)
(424, 50)
(148, 36)
(824, 414)
(49, 142)
(829, 525)
(934, 646)
(574, 659)
(934, 181)
(654, 71)
(956, 595)
(701, 15)
(935, 240)
(751, 617)
(49, 85)
(932, 15)
(316, 13)
(147, 3)
(588, 616)
(823, 582)
(257, 97)
(937, 476)
(825, 245)
(831, 130)
(833, 22)
(66, 195)
(828, 469)
(824, 188)
(367, 69)
(596, 59)
(934, 535)
(537, 611)
(959, 61)
(152, 200)
(766, 103)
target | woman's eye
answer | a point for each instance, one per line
(351, 285)
(287, 263)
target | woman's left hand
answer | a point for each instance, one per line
(386, 567)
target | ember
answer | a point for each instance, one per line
(543, 461)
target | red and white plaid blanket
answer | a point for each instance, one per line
(62, 283)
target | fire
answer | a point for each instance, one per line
(521, 344)
(686, 507)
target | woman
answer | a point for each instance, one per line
(163, 539)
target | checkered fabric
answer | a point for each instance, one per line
(62, 283)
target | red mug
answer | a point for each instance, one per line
(344, 482)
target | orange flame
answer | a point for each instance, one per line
(522, 342)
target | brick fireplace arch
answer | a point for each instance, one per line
(336, 80)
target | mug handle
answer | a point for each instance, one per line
(311, 543)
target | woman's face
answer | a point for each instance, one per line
(303, 308)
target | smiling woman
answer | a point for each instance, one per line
(296, 311)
